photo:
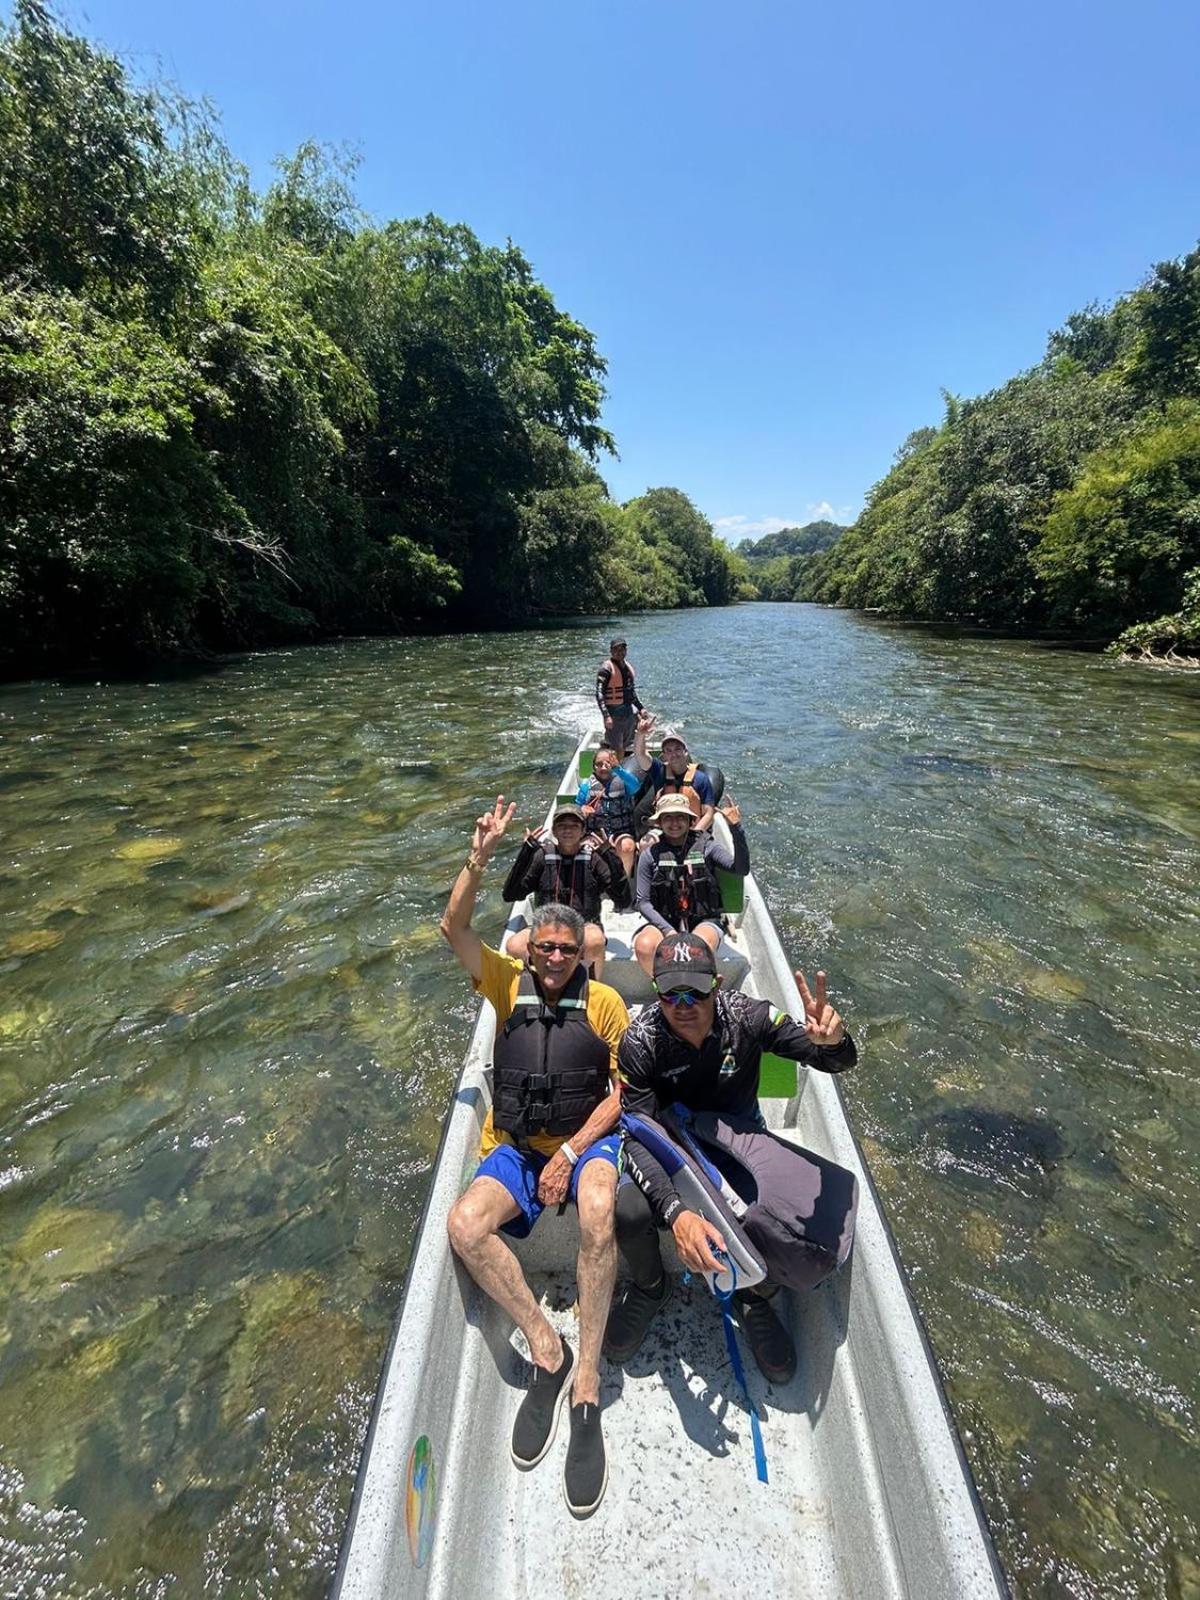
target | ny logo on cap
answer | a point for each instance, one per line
(682, 953)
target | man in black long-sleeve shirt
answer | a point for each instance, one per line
(702, 1049)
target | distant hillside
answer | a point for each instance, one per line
(775, 563)
(791, 541)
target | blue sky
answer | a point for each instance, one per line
(789, 225)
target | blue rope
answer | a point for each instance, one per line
(724, 1299)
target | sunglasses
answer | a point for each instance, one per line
(547, 947)
(681, 997)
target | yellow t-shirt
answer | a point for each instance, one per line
(605, 1011)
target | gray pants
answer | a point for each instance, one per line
(623, 722)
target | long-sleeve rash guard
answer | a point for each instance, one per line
(735, 860)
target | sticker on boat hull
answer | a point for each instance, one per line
(419, 1501)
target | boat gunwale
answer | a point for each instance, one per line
(453, 1101)
(832, 1111)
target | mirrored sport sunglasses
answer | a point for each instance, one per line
(547, 947)
(680, 997)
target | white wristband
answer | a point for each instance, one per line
(564, 1149)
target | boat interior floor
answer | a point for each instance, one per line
(681, 1457)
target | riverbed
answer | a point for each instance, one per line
(229, 1029)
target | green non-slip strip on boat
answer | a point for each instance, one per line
(733, 892)
(586, 757)
(776, 1077)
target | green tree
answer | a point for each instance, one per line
(1174, 638)
(668, 521)
(1118, 545)
(92, 194)
(104, 496)
(229, 417)
(1167, 364)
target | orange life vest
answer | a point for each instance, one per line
(673, 785)
(616, 690)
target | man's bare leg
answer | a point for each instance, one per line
(472, 1224)
(594, 947)
(644, 946)
(596, 1272)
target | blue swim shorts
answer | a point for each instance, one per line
(519, 1171)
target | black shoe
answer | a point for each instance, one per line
(769, 1341)
(630, 1317)
(585, 1476)
(537, 1417)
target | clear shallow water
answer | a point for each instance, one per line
(228, 1032)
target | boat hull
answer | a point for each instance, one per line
(869, 1491)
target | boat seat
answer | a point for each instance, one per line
(622, 969)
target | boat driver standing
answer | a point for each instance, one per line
(617, 697)
(549, 1137)
(701, 1049)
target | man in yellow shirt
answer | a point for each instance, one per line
(550, 1136)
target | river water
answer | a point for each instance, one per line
(228, 1031)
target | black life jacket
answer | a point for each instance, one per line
(569, 881)
(616, 804)
(684, 892)
(550, 1066)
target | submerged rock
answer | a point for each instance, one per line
(290, 1349)
(66, 1242)
(56, 1399)
(31, 943)
(24, 1024)
(220, 905)
(150, 849)
(983, 1236)
(1044, 983)
(1019, 1153)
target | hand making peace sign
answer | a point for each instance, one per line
(821, 1021)
(491, 827)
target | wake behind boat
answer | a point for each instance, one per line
(869, 1492)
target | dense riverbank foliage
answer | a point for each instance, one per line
(1068, 499)
(775, 563)
(229, 417)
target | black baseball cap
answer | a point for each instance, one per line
(684, 962)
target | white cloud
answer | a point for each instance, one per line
(742, 527)
(823, 511)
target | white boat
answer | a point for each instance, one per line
(869, 1493)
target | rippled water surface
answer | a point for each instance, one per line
(228, 1032)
